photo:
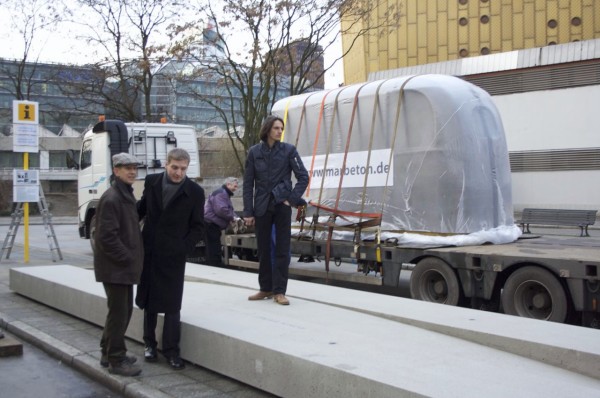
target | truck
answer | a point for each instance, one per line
(148, 142)
(410, 184)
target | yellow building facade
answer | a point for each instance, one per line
(429, 31)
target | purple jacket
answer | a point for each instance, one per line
(218, 208)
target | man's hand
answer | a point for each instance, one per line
(301, 203)
(249, 221)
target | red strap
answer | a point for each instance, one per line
(344, 212)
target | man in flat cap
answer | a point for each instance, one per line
(118, 259)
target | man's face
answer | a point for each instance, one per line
(126, 173)
(276, 131)
(232, 186)
(176, 170)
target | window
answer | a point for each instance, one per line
(59, 158)
(86, 154)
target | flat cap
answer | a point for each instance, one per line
(124, 159)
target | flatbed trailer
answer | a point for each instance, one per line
(546, 277)
(423, 158)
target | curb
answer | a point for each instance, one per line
(88, 365)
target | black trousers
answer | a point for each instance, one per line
(119, 299)
(171, 333)
(273, 276)
(213, 245)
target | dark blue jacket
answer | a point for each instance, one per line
(269, 171)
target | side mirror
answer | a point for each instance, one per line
(71, 163)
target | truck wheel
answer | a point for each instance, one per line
(533, 292)
(92, 233)
(433, 280)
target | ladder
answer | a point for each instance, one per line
(139, 146)
(17, 216)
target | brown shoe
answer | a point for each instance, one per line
(260, 296)
(281, 299)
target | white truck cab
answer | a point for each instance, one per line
(148, 142)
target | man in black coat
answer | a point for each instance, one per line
(173, 207)
(118, 258)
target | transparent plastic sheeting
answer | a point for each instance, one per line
(428, 152)
(498, 235)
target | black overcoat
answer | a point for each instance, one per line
(169, 235)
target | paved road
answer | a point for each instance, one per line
(49, 334)
(36, 374)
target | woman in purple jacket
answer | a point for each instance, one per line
(218, 213)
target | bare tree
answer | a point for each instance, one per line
(30, 19)
(129, 35)
(259, 58)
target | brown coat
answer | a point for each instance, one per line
(119, 252)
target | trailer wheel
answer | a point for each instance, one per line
(533, 292)
(433, 280)
(92, 233)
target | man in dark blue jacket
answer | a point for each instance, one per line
(218, 213)
(268, 198)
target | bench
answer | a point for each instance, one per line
(577, 218)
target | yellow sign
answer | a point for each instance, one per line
(25, 112)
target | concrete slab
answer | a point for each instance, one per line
(314, 348)
(570, 347)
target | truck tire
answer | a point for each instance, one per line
(533, 292)
(433, 280)
(92, 233)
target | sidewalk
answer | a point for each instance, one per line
(64, 337)
(75, 342)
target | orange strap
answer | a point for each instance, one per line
(371, 135)
(395, 131)
(354, 107)
(302, 118)
(329, 136)
(312, 162)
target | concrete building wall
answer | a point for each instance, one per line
(441, 30)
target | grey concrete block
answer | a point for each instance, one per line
(329, 342)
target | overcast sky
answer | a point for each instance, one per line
(62, 46)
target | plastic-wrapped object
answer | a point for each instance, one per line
(427, 153)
